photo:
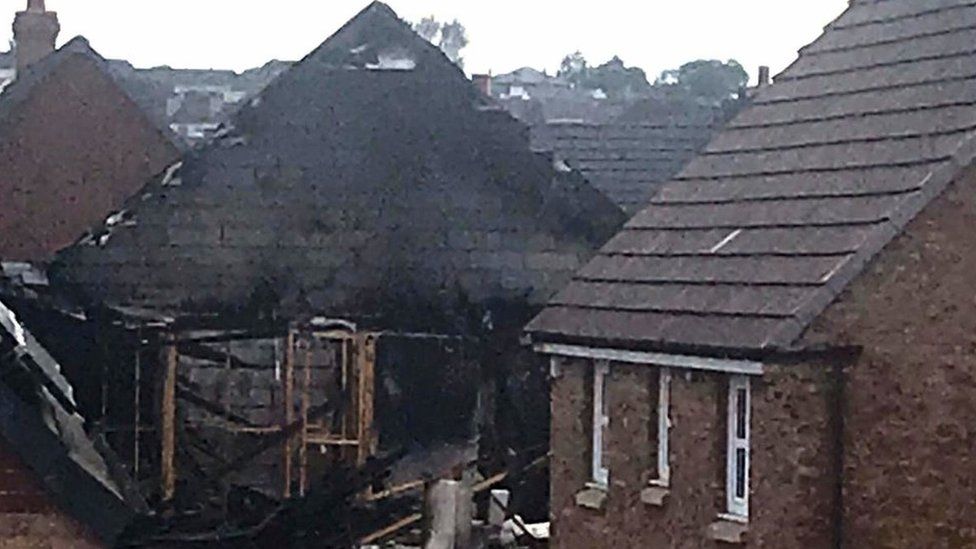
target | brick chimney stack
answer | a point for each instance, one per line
(763, 76)
(35, 33)
(483, 82)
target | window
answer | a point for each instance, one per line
(663, 427)
(737, 468)
(601, 420)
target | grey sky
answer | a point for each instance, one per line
(505, 34)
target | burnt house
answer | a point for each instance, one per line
(73, 148)
(777, 350)
(378, 231)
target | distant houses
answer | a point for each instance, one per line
(777, 350)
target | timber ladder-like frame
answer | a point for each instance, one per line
(356, 439)
(348, 434)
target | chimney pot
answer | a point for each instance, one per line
(763, 76)
(36, 6)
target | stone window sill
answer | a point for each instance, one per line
(728, 529)
(655, 496)
(592, 497)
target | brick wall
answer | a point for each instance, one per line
(71, 153)
(792, 496)
(911, 423)
(28, 518)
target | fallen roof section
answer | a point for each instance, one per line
(39, 418)
(786, 206)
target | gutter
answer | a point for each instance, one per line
(690, 362)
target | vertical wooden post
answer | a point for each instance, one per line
(366, 391)
(303, 448)
(168, 460)
(289, 409)
(136, 409)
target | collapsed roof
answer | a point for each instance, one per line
(759, 234)
(370, 176)
(40, 421)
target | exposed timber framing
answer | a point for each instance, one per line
(168, 428)
(289, 403)
(687, 362)
(365, 398)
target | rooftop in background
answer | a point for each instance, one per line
(626, 147)
(759, 234)
(190, 103)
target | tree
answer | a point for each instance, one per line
(428, 28)
(616, 79)
(707, 79)
(451, 37)
(454, 38)
(574, 68)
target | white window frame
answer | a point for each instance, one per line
(738, 444)
(601, 422)
(663, 428)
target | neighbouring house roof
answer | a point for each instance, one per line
(20, 90)
(786, 206)
(526, 75)
(629, 161)
(370, 174)
(73, 147)
(40, 421)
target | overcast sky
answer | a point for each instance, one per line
(505, 34)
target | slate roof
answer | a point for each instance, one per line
(759, 234)
(629, 161)
(370, 174)
(40, 421)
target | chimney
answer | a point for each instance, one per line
(35, 33)
(483, 81)
(763, 76)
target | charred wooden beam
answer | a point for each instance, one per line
(200, 351)
(168, 427)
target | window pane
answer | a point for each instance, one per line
(740, 413)
(605, 404)
(740, 473)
